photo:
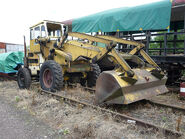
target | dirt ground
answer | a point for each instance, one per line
(76, 122)
(164, 117)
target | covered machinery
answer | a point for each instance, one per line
(120, 78)
(9, 62)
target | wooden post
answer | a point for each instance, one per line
(165, 43)
(174, 39)
(184, 31)
(132, 39)
(160, 48)
(147, 41)
(25, 54)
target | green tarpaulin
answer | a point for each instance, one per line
(9, 61)
(154, 16)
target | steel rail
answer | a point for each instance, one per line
(181, 108)
(7, 77)
(116, 114)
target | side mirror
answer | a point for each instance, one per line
(37, 39)
(48, 40)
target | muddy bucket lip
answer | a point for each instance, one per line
(106, 84)
(111, 89)
(130, 97)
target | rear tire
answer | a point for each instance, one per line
(24, 78)
(92, 76)
(51, 78)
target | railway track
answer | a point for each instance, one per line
(176, 107)
(159, 103)
(115, 114)
(5, 77)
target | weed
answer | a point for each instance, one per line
(17, 98)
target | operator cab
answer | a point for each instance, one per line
(47, 29)
(45, 33)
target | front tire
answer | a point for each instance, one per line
(51, 78)
(92, 76)
(24, 78)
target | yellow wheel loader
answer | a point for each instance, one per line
(57, 57)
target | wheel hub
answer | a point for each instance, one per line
(48, 78)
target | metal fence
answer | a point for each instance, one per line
(161, 47)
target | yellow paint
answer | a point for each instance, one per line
(140, 28)
(136, 49)
(148, 58)
(66, 78)
(118, 40)
(75, 49)
(60, 59)
(89, 37)
(34, 47)
(130, 97)
(120, 81)
(84, 74)
(149, 69)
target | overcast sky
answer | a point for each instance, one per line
(16, 16)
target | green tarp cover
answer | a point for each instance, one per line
(9, 61)
(154, 16)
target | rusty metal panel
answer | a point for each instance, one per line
(2, 45)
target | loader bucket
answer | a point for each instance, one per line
(112, 89)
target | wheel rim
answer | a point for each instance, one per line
(47, 78)
(21, 80)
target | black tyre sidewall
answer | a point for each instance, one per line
(93, 75)
(56, 71)
(27, 78)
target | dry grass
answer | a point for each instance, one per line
(80, 94)
(77, 122)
